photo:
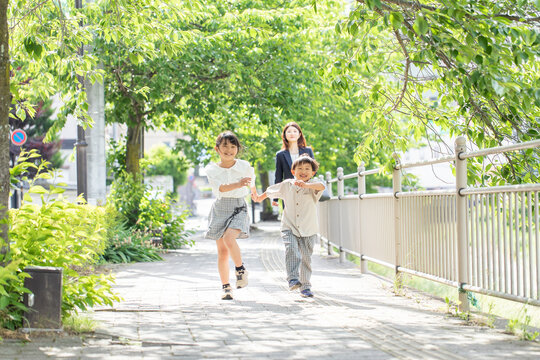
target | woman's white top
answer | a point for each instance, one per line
(218, 176)
(294, 156)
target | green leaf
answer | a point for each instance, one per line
(38, 189)
(420, 25)
(134, 58)
(529, 36)
(483, 42)
(4, 301)
(338, 28)
(57, 190)
(499, 90)
(353, 28)
(396, 19)
(478, 59)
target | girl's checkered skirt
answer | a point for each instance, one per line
(228, 213)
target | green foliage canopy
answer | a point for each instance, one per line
(269, 62)
(462, 67)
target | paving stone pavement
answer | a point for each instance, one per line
(172, 310)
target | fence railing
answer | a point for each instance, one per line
(484, 240)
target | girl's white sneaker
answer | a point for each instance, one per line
(241, 278)
(227, 293)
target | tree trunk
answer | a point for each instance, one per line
(5, 102)
(267, 213)
(133, 148)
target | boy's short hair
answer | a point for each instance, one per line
(305, 159)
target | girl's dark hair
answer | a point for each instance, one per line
(230, 137)
(301, 139)
(305, 159)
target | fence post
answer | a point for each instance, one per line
(461, 207)
(361, 191)
(321, 178)
(328, 183)
(329, 187)
(341, 193)
(396, 187)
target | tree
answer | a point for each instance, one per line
(461, 67)
(248, 66)
(42, 63)
(286, 87)
(5, 103)
(137, 43)
(268, 76)
(222, 62)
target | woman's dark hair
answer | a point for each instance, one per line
(305, 159)
(301, 139)
(230, 137)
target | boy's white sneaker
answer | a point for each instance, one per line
(241, 278)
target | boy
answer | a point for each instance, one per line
(299, 225)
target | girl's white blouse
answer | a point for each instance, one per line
(218, 176)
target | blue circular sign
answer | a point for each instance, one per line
(18, 137)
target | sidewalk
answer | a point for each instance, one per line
(172, 310)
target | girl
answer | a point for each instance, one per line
(294, 145)
(228, 219)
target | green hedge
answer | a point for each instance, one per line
(53, 233)
(59, 234)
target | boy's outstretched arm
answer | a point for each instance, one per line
(317, 186)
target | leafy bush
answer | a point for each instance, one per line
(175, 234)
(140, 211)
(127, 192)
(157, 214)
(66, 235)
(163, 161)
(116, 157)
(129, 245)
(11, 292)
(59, 234)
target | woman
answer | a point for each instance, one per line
(294, 145)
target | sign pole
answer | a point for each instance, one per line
(18, 138)
(15, 198)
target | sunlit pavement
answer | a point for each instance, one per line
(172, 310)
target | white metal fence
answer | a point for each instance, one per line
(484, 240)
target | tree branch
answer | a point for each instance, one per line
(29, 12)
(406, 75)
(415, 5)
(212, 78)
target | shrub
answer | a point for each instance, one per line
(59, 234)
(11, 292)
(129, 245)
(157, 214)
(163, 161)
(126, 194)
(66, 235)
(139, 211)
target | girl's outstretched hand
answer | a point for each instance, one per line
(257, 197)
(245, 181)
